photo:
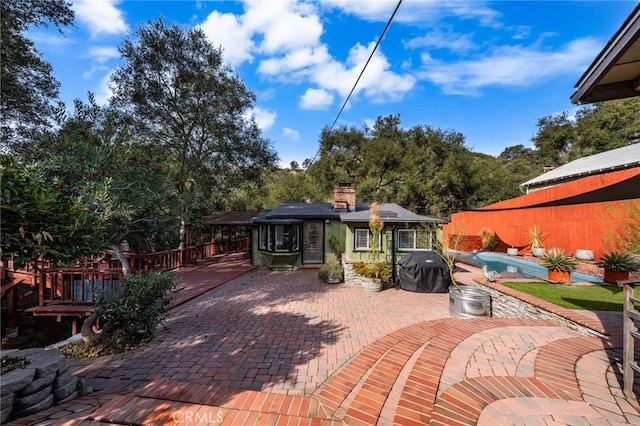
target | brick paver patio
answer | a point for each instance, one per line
(285, 348)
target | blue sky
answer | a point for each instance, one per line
(488, 70)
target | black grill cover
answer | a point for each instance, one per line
(424, 272)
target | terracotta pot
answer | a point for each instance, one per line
(556, 276)
(614, 276)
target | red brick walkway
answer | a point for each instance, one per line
(284, 348)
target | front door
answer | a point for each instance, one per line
(313, 245)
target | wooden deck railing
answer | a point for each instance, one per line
(177, 258)
(79, 285)
(630, 332)
(76, 285)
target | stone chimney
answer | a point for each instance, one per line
(344, 197)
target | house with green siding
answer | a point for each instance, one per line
(297, 234)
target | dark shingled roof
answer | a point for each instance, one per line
(389, 212)
(230, 218)
(303, 211)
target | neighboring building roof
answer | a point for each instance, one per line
(615, 159)
(615, 72)
(390, 213)
(292, 212)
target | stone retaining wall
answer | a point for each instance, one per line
(351, 278)
(45, 382)
(505, 306)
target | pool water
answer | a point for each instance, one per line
(510, 267)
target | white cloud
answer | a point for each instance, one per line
(227, 30)
(443, 40)
(420, 12)
(101, 16)
(509, 66)
(103, 91)
(47, 37)
(284, 25)
(285, 35)
(100, 55)
(295, 61)
(103, 54)
(264, 117)
(290, 133)
(377, 82)
(316, 99)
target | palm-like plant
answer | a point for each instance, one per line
(616, 261)
(556, 260)
(535, 237)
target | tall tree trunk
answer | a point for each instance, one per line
(183, 234)
(126, 267)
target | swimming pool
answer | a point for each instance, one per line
(512, 267)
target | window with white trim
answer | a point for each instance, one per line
(363, 237)
(414, 239)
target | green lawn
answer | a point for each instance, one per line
(586, 297)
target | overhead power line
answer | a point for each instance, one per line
(344, 104)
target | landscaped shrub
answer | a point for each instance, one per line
(140, 306)
(129, 317)
(373, 270)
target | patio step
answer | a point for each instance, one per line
(416, 364)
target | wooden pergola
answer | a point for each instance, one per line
(229, 220)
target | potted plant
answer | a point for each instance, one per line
(559, 265)
(376, 226)
(331, 272)
(617, 266)
(373, 275)
(535, 241)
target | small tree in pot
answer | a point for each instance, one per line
(559, 265)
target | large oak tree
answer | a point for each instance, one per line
(183, 98)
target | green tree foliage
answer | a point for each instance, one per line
(607, 125)
(283, 185)
(27, 84)
(595, 129)
(182, 98)
(92, 159)
(556, 134)
(38, 221)
(498, 178)
(424, 169)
